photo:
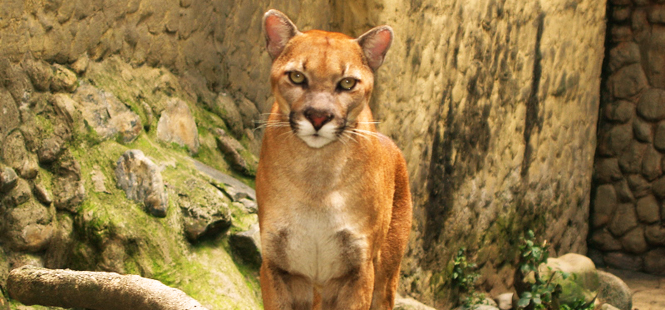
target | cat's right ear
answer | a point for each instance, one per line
(278, 29)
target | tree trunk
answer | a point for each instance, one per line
(94, 290)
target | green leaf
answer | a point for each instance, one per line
(527, 295)
(523, 302)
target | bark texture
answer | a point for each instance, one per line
(94, 290)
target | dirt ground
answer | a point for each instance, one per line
(648, 290)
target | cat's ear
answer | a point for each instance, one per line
(375, 44)
(278, 30)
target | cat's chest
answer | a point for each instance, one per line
(320, 242)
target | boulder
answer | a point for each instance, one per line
(648, 209)
(583, 280)
(614, 291)
(651, 106)
(106, 114)
(247, 245)
(408, 303)
(624, 219)
(225, 107)
(141, 180)
(15, 155)
(8, 178)
(176, 124)
(42, 194)
(232, 187)
(505, 301)
(27, 227)
(63, 79)
(68, 189)
(205, 209)
(233, 153)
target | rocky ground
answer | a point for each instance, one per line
(648, 290)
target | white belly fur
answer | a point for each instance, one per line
(322, 241)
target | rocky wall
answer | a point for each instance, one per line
(628, 210)
(496, 111)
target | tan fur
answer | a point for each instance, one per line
(334, 219)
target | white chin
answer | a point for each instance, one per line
(315, 141)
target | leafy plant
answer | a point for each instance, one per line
(464, 277)
(542, 293)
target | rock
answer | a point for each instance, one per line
(205, 210)
(625, 53)
(634, 242)
(8, 178)
(643, 131)
(408, 303)
(655, 235)
(625, 261)
(9, 113)
(580, 286)
(607, 170)
(659, 137)
(234, 188)
(81, 64)
(658, 188)
(232, 150)
(63, 79)
(42, 194)
(652, 105)
(630, 160)
(620, 33)
(614, 291)
(603, 240)
(247, 245)
(655, 60)
(654, 262)
(27, 227)
(624, 193)
(651, 164)
(250, 205)
(627, 81)
(68, 187)
(657, 14)
(648, 209)
(15, 154)
(225, 107)
(608, 307)
(176, 124)
(604, 205)
(505, 301)
(50, 150)
(620, 111)
(639, 186)
(624, 219)
(248, 111)
(141, 180)
(40, 73)
(20, 194)
(616, 140)
(106, 114)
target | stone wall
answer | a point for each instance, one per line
(628, 215)
(496, 112)
(494, 109)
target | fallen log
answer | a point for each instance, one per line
(94, 290)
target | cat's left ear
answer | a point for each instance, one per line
(375, 44)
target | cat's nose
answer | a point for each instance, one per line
(318, 118)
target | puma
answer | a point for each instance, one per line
(333, 193)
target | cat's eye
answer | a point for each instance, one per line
(296, 77)
(347, 83)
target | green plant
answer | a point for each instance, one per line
(541, 293)
(464, 277)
